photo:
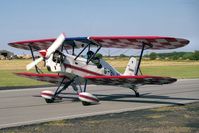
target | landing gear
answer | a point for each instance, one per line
(88, 99)
(85, 97)
(135, 88)
(137, 94)
(50, 96)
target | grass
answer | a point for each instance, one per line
(19, 64)
(180, 119)
(177, 69)
(8, 79)
(122, 62)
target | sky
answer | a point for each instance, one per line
(38, 19)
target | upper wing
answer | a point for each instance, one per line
(45, 43)
(129, 81)
(157, 42)
(135, 42)
(51, 78)
(35, 44)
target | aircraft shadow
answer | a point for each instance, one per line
(144, 98)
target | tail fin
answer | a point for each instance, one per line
(131, 67)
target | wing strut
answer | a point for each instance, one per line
(33, 58)
(73, 50)
(85, 85)
(81, 51)
(89, 47)
(93, 54)
(141, 54)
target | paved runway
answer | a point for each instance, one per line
(25, 106)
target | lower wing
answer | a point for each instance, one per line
(129, 81)
(124, 81)
(51, 78)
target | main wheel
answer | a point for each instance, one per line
(86, 103)
(49, 100)
(88, 99)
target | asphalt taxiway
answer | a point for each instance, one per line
(25, 106)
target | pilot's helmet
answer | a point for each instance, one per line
(98, 55)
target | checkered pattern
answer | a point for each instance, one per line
(136, 42)
(130, 80)
(51, 78)
(35, 44)
(124, 81)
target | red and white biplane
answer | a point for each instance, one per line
(72, 68)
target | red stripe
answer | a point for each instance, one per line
(127, 37)
(123, 77)
(34, 41)
(47, 94)
(90, 98)
(43, 53)
(83, 70)
(40, 74)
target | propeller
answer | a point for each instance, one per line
(45, 54)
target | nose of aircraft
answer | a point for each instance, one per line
(43, 53)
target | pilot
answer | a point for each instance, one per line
(95, 59)
(90, 54)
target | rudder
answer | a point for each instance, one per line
(131, 67)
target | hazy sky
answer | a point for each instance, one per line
(37, 19)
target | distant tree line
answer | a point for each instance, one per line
(174, 56)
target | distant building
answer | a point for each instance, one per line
(4, 54)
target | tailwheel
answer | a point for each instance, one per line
(137, 94)
(134, 88)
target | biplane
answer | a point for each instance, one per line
(78, 68)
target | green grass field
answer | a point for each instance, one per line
(180, 72)
(177, 69)
(8, 78)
